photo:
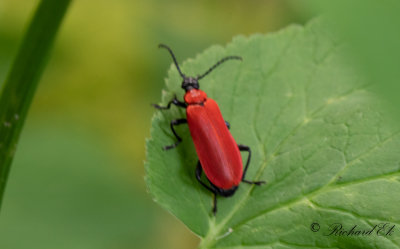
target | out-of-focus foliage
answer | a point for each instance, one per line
(372, 30)
(18, 89)
(63, 193)
(104, 72)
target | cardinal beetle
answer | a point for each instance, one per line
(217, 150)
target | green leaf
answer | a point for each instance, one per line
(20, 85)
(320, 139)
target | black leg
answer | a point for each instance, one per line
(175, 122)
(199, 170)
(214, 210)
(258, 183)
(174, 101)
(227, 124)
(247, 148)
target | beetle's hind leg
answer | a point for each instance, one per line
(247, 148)
(173, 123)
(199, 170)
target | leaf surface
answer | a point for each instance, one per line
(319, 137)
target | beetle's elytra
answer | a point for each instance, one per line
(219, 154)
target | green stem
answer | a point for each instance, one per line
(22, 80)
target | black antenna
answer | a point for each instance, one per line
(219, 63)
(173, 57)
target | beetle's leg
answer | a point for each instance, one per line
(175, 122)
(174, 101)
(247, 148)
(228, 124)
(199, 170)
(214, 210)
(258, 183)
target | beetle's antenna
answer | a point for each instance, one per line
(173, 57)
(219, 63)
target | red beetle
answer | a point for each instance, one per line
(219, 155)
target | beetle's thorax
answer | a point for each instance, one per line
(195, 97)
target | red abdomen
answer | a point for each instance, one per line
(217, 150)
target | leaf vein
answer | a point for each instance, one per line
(310, 194)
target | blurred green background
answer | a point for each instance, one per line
(77, 178)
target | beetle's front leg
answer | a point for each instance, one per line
(174, 101)
(172, 124)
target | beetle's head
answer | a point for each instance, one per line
(189, 83)
(193, 82)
